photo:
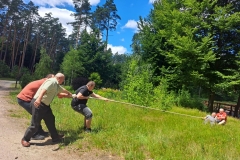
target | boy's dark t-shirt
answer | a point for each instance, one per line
(85, 92)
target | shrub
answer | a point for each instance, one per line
(69, 88)
(4, 69)
(184, 99)
(26, 78)
(138, 83)
(162, 97)
(110, 93)
(14, 72)
(96, 78)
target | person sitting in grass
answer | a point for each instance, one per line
(210, 118)
(221, 117)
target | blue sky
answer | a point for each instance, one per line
(129, 11)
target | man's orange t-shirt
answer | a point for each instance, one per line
(30, 89)
(222, 116)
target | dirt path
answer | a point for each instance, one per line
(12, 130)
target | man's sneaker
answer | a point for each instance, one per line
(58, 139)
(88, 130)
(38, 137)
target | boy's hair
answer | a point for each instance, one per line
(91, 83)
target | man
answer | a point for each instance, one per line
(210, 118)
(24, 98)
(40, 105)
(79, 103)
(221, 117)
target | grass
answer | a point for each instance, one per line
(138, 134)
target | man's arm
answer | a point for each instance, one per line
(65, 94)
(98, 96)
(38, 100)
(80, 96)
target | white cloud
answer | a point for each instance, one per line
(152, 1)
(62, 14)
(54, 3)
(117, 49)
(132, 24)
(122, 39)
(94, 2)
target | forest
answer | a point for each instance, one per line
(184, 48)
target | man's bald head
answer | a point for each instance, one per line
(60, 77)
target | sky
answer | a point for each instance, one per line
(119, 40)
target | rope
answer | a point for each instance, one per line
(149, 108)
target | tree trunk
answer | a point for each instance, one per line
(25, 46)
(106, 37)
(211, 101)
(3, 37)
(78, 35)
(35, 53)
(14, 53)
(8, 40)
(237, 107)
(51, 51)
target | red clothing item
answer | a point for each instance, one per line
(30, 89)
(222, 116)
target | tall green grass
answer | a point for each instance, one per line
(140, 133)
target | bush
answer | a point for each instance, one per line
(14, 72)
(184, 99)
(96, 78)
(69, 88)
(162, 98)
(26, 78)
(110, 93)
(4, 69)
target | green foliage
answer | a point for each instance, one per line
(69, 88)
(106, 17)
(44, 67)
(94, 58)
(72, 65)
(162, 98)
(4, 69)
(192, 43)
(14, 72)
(96, 78)
(26, 77)
(138, 87)
(110, 93)
(184, 99)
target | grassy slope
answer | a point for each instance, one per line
(137, 133)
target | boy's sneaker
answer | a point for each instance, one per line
(88, 130)
(38, 137)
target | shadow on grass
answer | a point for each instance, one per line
(70, 137)
(74, 135)
(47, 142)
